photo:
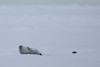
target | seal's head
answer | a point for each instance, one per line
(20, 47)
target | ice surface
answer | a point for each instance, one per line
(55, 31)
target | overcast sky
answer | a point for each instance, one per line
(49, 2)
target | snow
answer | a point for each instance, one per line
(56, 31)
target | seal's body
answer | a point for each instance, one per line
(28, 50)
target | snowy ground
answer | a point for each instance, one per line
(55, 31)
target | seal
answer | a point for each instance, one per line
(28, 50)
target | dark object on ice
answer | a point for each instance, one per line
(40, 54)
(74, 52)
